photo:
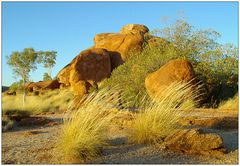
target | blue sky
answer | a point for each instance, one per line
(69, 27)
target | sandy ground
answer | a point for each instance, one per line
(36, 146)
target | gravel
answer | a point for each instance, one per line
(36, 146)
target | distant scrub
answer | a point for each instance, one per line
(51, 101)
(16, 86)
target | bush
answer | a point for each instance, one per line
(16, 115)
(9, 125)
(11, 118)
(16, 87)
(159, 118)
(130, 76)
(216, 65)
(84, 129)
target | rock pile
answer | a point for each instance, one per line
(96, 63)
(194, 141)
(42, 85)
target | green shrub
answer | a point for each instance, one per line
(16, 86)
(16, 114)
(216, 65)
(130, 76)
(46, 77)
(9, 125)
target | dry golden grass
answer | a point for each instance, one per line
(51, 101)
(84, 130)
(158, 118)
(230, 104)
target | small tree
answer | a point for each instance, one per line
(46, 77)
(48, 59)
(22, 63)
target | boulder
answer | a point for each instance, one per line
(91, 65)
(63, 75)
(51, 85)
(62, 86)
(211, 122)
(134, 28)
(174, 71)
(81, 88)
(43, 85)
(130, 38)
(194, 141)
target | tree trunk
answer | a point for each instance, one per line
(50, 72)
(24, 92)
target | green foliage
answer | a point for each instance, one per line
(17, 114)
(8, 125)
(131, 75)
(93, 88)
(23, 62)
(11, 117)
(46, 77)
(215, 64)
(16, 86)
(48, 58)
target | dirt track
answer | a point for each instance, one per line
(36, 146)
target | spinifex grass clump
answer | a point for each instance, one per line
(158, 118)
(231, 103)
(85, 129)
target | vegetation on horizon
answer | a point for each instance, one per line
(51, 101)
(48, 59)
(22, 63)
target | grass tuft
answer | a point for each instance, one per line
(85, 126)
(159, 117)
(230, 104)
